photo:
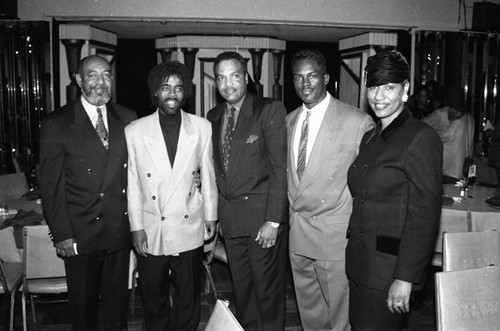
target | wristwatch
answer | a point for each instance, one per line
(273, 224)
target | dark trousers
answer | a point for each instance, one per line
(157, 276)
(259, 281)
(368, 310)
(98, 274)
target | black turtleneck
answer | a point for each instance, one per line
(171, 127)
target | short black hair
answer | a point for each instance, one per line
(163, 71)
(386, 67)
(230, 56)
(313, 55)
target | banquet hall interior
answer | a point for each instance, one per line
(454, 44)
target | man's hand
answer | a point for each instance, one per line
(398, 298)
(210, 228)
(266, 237)
(140, 242)
(65, 248)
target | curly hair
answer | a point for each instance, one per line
(313, 55)
(162, 72)
(230, 56)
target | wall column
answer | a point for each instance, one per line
(189, 61)
(257, 54)
(277, 88)
(73, 53)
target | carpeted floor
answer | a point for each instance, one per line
(56, 316)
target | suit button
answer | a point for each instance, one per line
(186, 216)
(354, 166)
(149, 175)
(366, 165)
(125, 165)
(125, 213)
(360, 234)
(124, 191)
(245, 197)
(97, 218)
(162, 218)
(89, 170)
(101, 195)
(154, 198)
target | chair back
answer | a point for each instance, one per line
(40, 258)
(13, 186)
(222, 319)
(468, 299)
(470, 250)
(10, 276)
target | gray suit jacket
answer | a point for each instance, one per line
(320, 204)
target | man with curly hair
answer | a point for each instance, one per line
(170, 213)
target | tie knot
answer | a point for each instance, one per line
(308, 114)
(99, 112)
(233, 110)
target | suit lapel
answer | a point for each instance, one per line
(155, 146)
(241, 132)
(326, 137)
(186, 147)
(84, 130)
(291, 152)
(117, 146)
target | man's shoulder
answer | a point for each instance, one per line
(60, 114)
(348, 111)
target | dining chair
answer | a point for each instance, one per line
(222, 318)
(470, 250)
(214, 249)
(43, 270)
(468, 299)
(11, 277)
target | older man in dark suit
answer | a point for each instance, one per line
(83, 181)
(249, 139)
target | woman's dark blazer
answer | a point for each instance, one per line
(396, 185)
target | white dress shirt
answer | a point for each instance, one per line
(315, 120)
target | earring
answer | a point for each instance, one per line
(405, 97)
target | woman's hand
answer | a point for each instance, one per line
(398, 298)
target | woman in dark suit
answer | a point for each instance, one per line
(396, 185)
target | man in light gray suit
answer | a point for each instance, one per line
(323, 140)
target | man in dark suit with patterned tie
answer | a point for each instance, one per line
(83, 181)
(249, 141)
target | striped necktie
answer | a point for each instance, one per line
(228, 137)
(301, 159)
(101, 129)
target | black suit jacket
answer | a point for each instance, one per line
(254, 188)
(397, 191)
(83, 186)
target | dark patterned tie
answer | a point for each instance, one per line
(301, 159)
(228, 137)
(101, 129)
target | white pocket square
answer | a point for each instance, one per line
(251, 139)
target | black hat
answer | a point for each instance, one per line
(386, 67)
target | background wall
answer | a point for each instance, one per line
(424, 14)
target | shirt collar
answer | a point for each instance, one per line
(320, 107)
(237, 106)
(90, 108)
